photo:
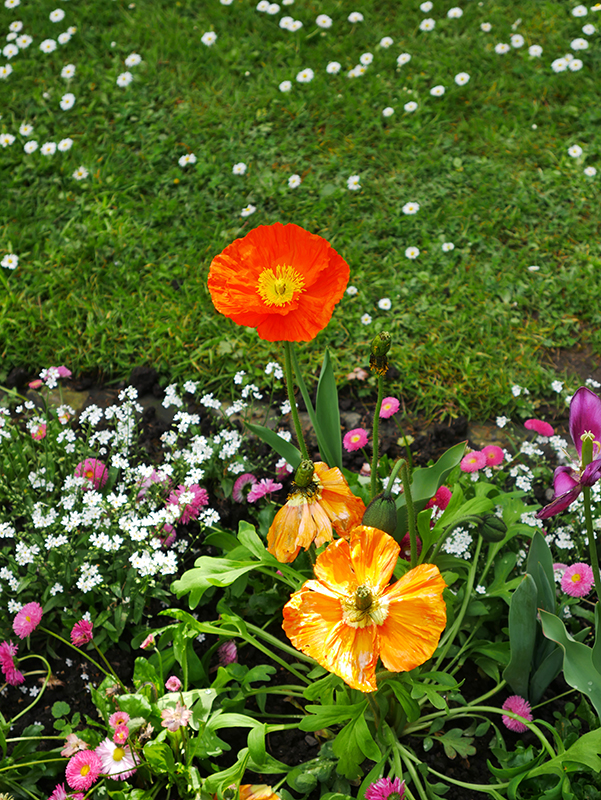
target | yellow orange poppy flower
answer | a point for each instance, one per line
(310, 512)
(281, 280)
(257, 791)
(349, 616)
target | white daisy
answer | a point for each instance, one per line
(226, 2)
(352, 290)
(579, 11)
(57, 15)
(323, 21)
(63, 38)
(559, 65)
(248, 210)
(502, 48)
(575, 151)
(188, 158)
(124, 79)
(23, 41)
(10, 261)
(461, 78)
(48, 46)
(486, 27)
(67, 101)
(517, 40)
(355, 16)
(285, 86)
(386, 41)
(410, 107)
(589, 29)
(294, 181)
(10, 50)
(425, 7)
(305, 75)
(16, 26)
(388, 111)
(411, 208)
(535, 51)
(263, 5)
(133, 59)
(579, 44)
(437, 91)
(412, 252)
(590, 172)
(5, 70)
(25, 129)
(353, 182)
(447, 247)
(6, 139)
(65, 144)
(454, 13)
(80, 174)
(11, 3)
(385, 304)
(209, 38)
(239, 168)
(366, 319)
(273, 9)
(333, 68)
(48, 149)
(285, 22)
(68, 71)
(575, 65)
(366, 59)
(427, 24)
(404, 58)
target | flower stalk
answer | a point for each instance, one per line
(293, 409)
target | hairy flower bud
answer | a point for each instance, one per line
(381, 514)
(304, 474)
(492, 528)
(378, 359)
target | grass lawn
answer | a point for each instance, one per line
(112, 267)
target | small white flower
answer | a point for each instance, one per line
(410, 107)
(534, 268)
(80, 173)
(404, 58)
(285, 22)
(11, 37)
(411, 208)
(534, 126)
(437, 91)
(427, 24)
(579, 11)
(357, 71)
(590, 172)
(48, 46)
(352, 290)
(25, 129)
(48, 149)
(6, 139)
(557, 386)
(425, 7)
(575, 151)
(65, 144)
(10, 50)
(575, 65)
(10, 261)
(386, 41)
(273, 9)
(67, 101)
(248, 210)
(263, 5)
(388, 111)
(535, 50)
(124, 79)
(63, 38)
(209, 38)
(188, 158)
(285, 86)
(333, 68)
(412, 252)
(294, 181)
(461, 78)
(68, 71)
(11, 3)
(353, 182)
(133, 59)
(305, 75)
(569, 57)
(559, 65)
(30, 147)
(517, 40)
(486, 27)
(502, 48)
(226, 2)
(447, 247)
(589, 29)
(366, 59)
(239, 168)
(454, 13)
(323, 21)
(516, 390)
(355, 16)
(579, 44)
(16, 26)
(385, 304)
(366, 319)
(57, 15)
(23, 41)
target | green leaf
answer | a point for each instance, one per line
(323, 445)
(365, 740)
(349, 752)
(135, 705)
(159, 756)
(454, 742)
(210, 571)
(144, 672)
(578, 667)
(540, 566)
(596, 652)
(546, 672)
(256, 744)
(408, 704)
(60, 709)
(522, 635)
(328, 412)
(324, 716)
(220, 780)
(285, 449)
(247, 536)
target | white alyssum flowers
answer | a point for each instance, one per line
(353, 182)
(427, 24)
(285, 86)
(355, 16)
(188, 158)
(67, 101)
(575, 151)
(57, 15)
(239, 168)
(404, 58)
(411, 208)
(68, 71)
(30, 147)
(305, 75)
(133, 59)
(462, 78)
(124, 79)
(437, 91)
(323, 21)
(48, 46)
(248, 210)
(410, 107)
(388, 111)
(209, 38)
(412, 252)
(294, 181)
(10, 261)
(333, 67)
(80, 174)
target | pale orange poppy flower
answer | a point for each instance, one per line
(281, 280)
(310, 512)
(257, 791)
(349, 616)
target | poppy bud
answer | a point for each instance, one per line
(381, 514)
(492, 528)
(304, 474)
(378, 359)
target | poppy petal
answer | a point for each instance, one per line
(374, 555)
(334, 569)
(585, 415)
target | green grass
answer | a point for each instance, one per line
(113, 269)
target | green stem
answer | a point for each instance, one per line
(34, 738)
(110, 674)
(412, 771)
(112, 671)
(592, 542)
(31, 763)
(410, 513)
(392, 477)
(292, 401)
(375, 438)
(39, 696)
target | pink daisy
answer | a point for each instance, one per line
(577, 580)
(27, 619)
(390, 405)
(517, 705)
(120, 734)
(118, 718)
(227, 653)
(35, 384)
(494, 455)
(117, 761)
(148, 641)
(60, 794)
(263, 487)
(190, 500)
(8, 651)
(63, 372)
(238, 493)
(441, 498)
(82, 633)
(83, 770)
(174, 718)
(355, 439)
(541, 427)
(39, 432)
(173, 684)
(385, 788)
(405, 544)
(93, 471)
(473, 461)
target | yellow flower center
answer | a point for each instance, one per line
(279, 287)
(84, 770)
(118, 753)
(576, 578)
(89, 474)
(364, 608)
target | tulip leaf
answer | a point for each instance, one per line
(283, 448)
(596, 652)
(522, 635)
(328, 412)
(548, 670)
(578, 667)
(321, 440)
(540, 566)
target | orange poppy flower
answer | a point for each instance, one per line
(350, 615)
(281, 280)
(310, 512)
(257, 791)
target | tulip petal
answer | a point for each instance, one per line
(591, 473)
(374, 555)
(585, 415)
(563, 480)
(560, 503)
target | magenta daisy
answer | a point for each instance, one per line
(8, 651)
(577, 580)
(517, 705)
(59, 793)
(93, 471)
(117, 761)
(386, 789)
(82, 633)
(118, 718)
(120, 734)
(83, 770)
(190, 500)
(263, 487)
(27, 619)
(227, 653)
(494, 455)
(355, 439)
(148, 641)
(441, 498)
(390, 405)
(238, 493)
(473, 461)
(541, 427)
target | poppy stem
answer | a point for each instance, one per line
(291, 400)
(592, 541)
(375, 440)
(410, 512)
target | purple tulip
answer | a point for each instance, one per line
(585, 427)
